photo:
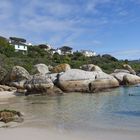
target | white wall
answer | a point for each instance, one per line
(89, 54)
(20, 47)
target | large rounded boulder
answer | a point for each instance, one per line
(102, 84)
(75, 80)
(38, 83)
(91, 67)
(129, 68)
(17, 77)
(125, 78)
(131, 79)
(19, 73)
(41, 68)
(119, 76)
(61, 68)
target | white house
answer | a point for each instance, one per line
(57, 51)
(45, 47)
(88, 53)
(20, 47)
(20, 44)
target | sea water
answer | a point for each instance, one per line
(115, 109)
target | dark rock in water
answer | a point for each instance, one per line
(10, 116)
(133, 95)
(129, 113)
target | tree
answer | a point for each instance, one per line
(18, 39)
(66, 50)
(6, 48)
(109, 57)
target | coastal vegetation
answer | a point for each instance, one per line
(36, 55)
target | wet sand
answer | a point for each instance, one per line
(45, 134)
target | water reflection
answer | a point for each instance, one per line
(80, 111)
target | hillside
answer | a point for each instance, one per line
(35, 55)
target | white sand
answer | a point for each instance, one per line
(44, 134)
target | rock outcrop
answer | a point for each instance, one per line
(61, 68)
(85, 81)
(91, 79)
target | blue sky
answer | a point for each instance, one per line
(104, 26)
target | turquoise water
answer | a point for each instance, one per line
(114, 109)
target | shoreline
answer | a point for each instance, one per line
(43, 134)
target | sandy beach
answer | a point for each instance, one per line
(44, 134)
(75, 117)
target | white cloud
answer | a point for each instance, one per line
(123, 54)
(123, 13)
(58, 22)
